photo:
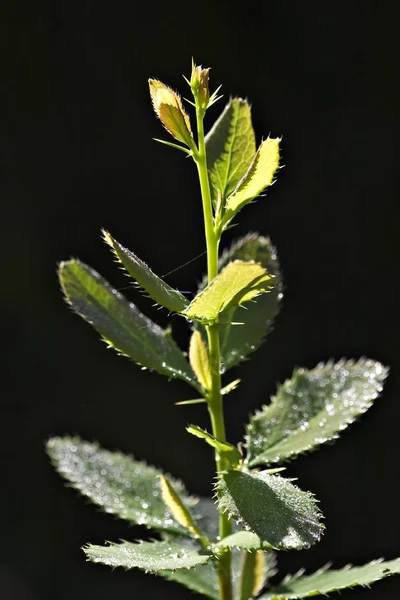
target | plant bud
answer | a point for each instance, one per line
(168, 108)
(199, 82)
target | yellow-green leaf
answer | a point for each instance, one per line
(237, 283)
(223, 448)
(199, 359)
(259, 176)
(231, 147)
(176, 507)
(168, 107)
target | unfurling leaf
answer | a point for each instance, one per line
(177, 508)
(311, 408)
(238, 282)
(237, 342)
(120, 324)
(253, 573)
(157, 289)
(223, 448)
(149, 556)
(118, 484)
(328, 580)
(168, 107)
(277, 511)
(199, 359)
(231, 147)
(260, 175)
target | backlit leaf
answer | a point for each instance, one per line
(328, 580)
(199, 359)
(157, 289)
(149, 556)
(168, 107)
(230, 146)
(260, 175)
(177, 508)
(237, 283)
(120, 324)
(311, 408)
(272, 507)
(238, 341)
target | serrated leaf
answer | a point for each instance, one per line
(311, 408)
(237, 342)
(199, 359)
(327, 580)
(121, 325)
(259, 175)
(237, 283)
(168, 107)
(223, 448)
(115, 482)
(230, 146)
(202, 579)
(272, 507)
(156, 287)
(177, 508)
(149, 556)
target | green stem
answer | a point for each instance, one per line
(215, 404)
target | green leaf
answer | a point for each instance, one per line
(118, 484)
(238, 341)
(199, 359)
(121, 325)
(230, 146)
(327, 580)
(157, 289)
(244, 540)
(311, 408)
(260, 175)
(223, 448)
(237, 283)
(202, 579)
(270, 506)
(149, 556)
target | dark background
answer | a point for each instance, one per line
(77, 155)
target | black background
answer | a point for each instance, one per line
(77, 155)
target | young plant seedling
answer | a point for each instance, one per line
(224, 548)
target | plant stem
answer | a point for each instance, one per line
(215, 404)
(212, 240)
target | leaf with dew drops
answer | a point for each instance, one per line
(151, 557)
(327, 580)
(282, 515)
(311, 408)
(118, 484)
